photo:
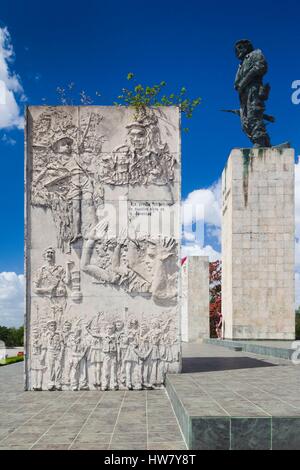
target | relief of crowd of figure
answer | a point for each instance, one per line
(110, 355)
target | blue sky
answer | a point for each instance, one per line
(97, 43)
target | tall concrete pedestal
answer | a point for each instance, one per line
(195, 299)
(258, 244)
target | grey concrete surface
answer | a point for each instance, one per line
(84, 420)
(235, 400)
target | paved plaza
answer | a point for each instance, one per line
(236, 400)
(225, 382)
(84, 420)
(252, 395)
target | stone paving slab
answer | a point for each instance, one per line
(88, 420)
(236, 400)
(232, 400)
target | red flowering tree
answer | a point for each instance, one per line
(215, 290)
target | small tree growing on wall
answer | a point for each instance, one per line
(215, 291)
(136, 95)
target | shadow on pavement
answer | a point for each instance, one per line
(212, 364)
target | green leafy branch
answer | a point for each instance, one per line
(139, 97)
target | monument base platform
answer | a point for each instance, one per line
(272, 348)
(228, 400)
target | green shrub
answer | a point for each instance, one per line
(11, 360)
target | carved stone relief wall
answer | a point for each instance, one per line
(102, 251)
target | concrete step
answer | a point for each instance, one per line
(228, 400)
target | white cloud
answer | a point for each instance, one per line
(214, 231)
(11, 299)
(11, 90)
(208, 201)
(189, 236)
(198, 250)
(202, 222)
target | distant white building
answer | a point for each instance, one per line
(2, 350)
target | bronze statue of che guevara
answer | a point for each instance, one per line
(252, 93)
